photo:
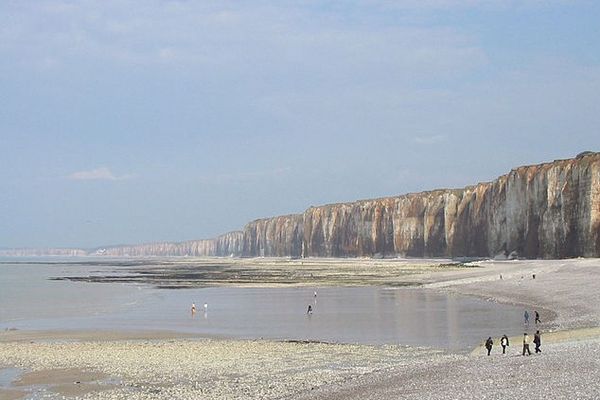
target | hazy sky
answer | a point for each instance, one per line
(127, 122)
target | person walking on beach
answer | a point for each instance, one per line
(488, 345)
(526, 317)
(309, 311)
(504, 343)
(537, 340)
(537, 318)
(526, 344)
(193, 309)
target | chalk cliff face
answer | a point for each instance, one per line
(550, 210)
(30, 252)
(274, 237)
(224, 245)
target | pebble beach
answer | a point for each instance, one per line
(209, 369)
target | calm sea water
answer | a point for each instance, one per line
(370, 315)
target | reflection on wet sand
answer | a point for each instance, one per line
(358, 314)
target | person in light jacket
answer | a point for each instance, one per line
(504, 343)
(526, 344)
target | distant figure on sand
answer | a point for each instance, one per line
(504, 343)
(537, 339)
(205, 307)
(537, 317)
(488, 345)
(309, 311)
(526, 344)
(315, 294)
(526, 317)
(193, 308)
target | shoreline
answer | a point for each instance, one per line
(49, 336)
(563, 291)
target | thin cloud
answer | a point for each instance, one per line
(98, 174)
(227, 38)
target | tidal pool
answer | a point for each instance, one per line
(29, 300)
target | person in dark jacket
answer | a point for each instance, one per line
(504, 343)
(537, 339)
(488, 345)
(537, 318)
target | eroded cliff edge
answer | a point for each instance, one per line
(544, 211)
(550, 210)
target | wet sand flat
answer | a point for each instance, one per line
(80, 389)
(70, 382)
(11, 394)
(58, 376)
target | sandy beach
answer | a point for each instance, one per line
(154, 365)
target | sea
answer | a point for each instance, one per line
(31, 299)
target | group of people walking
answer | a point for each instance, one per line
(504, 342)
